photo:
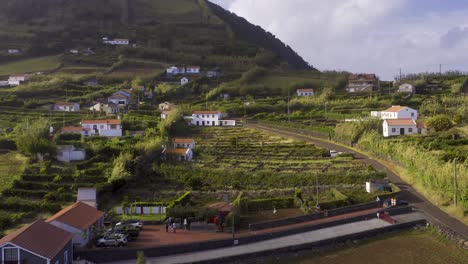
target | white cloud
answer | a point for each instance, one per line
(362, 35)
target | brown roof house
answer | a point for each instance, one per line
(80, 219)
(358, 83)
(39, 242)
(184, 143)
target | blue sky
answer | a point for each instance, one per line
(378, 36)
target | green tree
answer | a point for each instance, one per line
(440, 123)
(32, 138)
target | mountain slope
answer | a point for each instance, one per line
(175, 31)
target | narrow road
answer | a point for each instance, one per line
(435, 214)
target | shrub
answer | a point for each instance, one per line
(270, 203)
(440, 123)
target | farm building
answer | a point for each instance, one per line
(15, 80)
(184, 81)
(104, 128)
(39, 242)
(174, 70)
(87, 196)
(397, 127)
(67, 107)
(119, 99)
(117, 41)
(305, 92)
(407, 88)
(362, 83)
(396, 112)
(377, 185)
(70, 153)
(210, 118)
(178, 154)
(184, 143)
(13, 51)
(81, 220)
(192, 70)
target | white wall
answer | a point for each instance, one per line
(227, 122)
(395, 130)
(206, 119)
(68, 155)
(402, 114)
(67, 108)
(104, 130)
(122, 101)
(184, 145)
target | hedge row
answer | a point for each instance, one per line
(270, 203)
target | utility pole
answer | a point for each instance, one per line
(455, 187)
(440, 69)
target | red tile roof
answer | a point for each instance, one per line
(184, 140)
(72, 129)
(401, 122)
(78, 215)
(366, 76)
(206, 112)
(39, 237)
(306, 90)
(109, 122)
(395, 108)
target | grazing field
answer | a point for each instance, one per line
(415, 247)
(286, 79)
(29, 65)
(12, 165)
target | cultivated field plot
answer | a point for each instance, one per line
(11, 116)
(252, 150)
(29, 65)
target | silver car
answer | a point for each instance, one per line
(113, 240)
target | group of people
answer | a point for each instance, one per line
(171, 224)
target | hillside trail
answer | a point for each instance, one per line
(436, 215)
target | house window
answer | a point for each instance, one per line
(113, 126)
(203, 116)
(102, 126)
(393, 130)
(11, 255)
(412, 114)
(410, 130)
(65, 257)
(213, 116)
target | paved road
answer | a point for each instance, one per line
(272, 244)
(435, 214)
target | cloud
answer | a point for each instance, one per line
(363, 35)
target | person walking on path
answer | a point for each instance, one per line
(185, 223)
(174, 227)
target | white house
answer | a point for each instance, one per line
(174, 70)
(13, 51)
(184, 143)
(363, 83)
(212, 74)
(117, 41)
(119, 99)
(184, 81)
(397, 127)
(396, 112)
(17, 79)
(210, 118)
(104, 128)
(305, 92)
(407, 88)
(74, 51)
(376, 185)
(179, 154)
(80, 219)
(67, 107)
(70, 153)
(192, 70)
(87, 196)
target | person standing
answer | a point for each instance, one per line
(185, 223)
(174, 227)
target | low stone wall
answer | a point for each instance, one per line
(113, 254)
(315, 216)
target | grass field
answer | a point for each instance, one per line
(286, 79)
(29, 65)
(12, 165)
(415, 247)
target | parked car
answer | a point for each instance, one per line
(129, 231)
(130, 223)
(114, 240)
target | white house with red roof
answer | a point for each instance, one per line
(305, 92)
(104, 128)
(210, 118)
(396, 112)
(39, 242)
(67, 107)
(178, 154)
(17, 79)
(184, 143)
(80, 219)
(405, 126)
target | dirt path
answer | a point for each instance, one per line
(435, 214)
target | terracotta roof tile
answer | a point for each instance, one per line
(72, 129)
(108, 121)
(41, 238)
(184, 140)
(78, 215)
(395, 108)
(206, 112)
(305, 90)
(401, 122)
(181, 151)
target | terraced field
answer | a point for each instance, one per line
(10, 116)
(251, 150)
